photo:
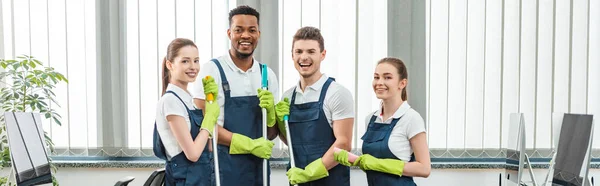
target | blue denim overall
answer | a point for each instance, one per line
(312, 136)
(375, 143)
(242, 116)
(180, 171)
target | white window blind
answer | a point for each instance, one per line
(487, 59)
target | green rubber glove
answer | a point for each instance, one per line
(282, 108)
(210, 87)
(211, 113)
(211, 110)
(266, 101)
(342, 158)
(313, 171)
(390, 166)
(260, 147)
(282, 131)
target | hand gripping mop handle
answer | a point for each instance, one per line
(210, 98)
(264, 120)
(289, 141)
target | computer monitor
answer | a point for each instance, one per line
(573, 136)
(27, 148)
(515, 151)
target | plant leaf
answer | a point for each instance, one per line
(53, 79)
(32, 64)
(57, 121)
(39, 106)
(62, 77)
(38, 62)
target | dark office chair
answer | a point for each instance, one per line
(124, 181)
(157, 178)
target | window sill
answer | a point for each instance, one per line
(281, 163)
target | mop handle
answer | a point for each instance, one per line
(289, 141)
(264, 86)
(216, 157)
(210, 98)
(288, 138)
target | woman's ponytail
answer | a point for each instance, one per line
(166, 77)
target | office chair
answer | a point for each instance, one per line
(157, 178)
(124, 181)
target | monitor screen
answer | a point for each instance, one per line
(27, 148)
(515, 149)
(572, 150)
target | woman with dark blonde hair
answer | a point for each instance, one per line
(181, 131)
(395, 144)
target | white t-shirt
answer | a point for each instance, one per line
(241, 83)
(338, 103)
(410, 124)
(169, 104)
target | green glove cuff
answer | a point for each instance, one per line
(260, 147)
(282, 131)
(279, 120)
(342, 157)
(282, 109)
(271, 119)
(317, 169)
(211, 113)
(313, 171)
(209, 125)
(240, 144)
(356, 162)
(267, 102)
(390, 166)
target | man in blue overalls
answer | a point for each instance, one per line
(321, 116)
(242, 147)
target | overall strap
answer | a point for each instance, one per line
(293, 97)
(224, 82)
(324, 90)
(373, 118)
(179, 99)
(321, 96)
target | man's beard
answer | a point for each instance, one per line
(240, 55)
(308, 75)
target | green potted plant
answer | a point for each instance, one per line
(27, 87)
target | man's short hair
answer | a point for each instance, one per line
(309, 33)
(244, 10)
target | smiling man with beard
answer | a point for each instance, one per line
(321, 116)
(241, 146)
